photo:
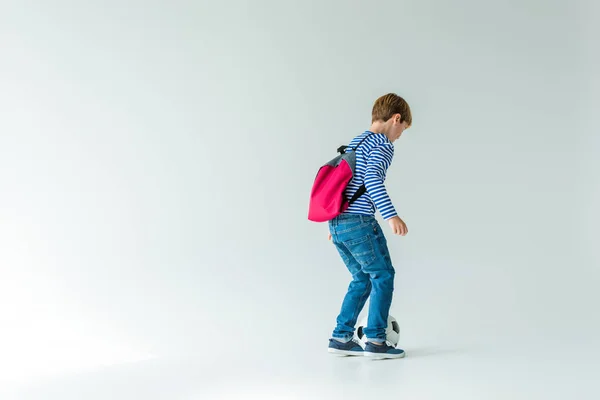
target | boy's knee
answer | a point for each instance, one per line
(383, 274)
(383, 280)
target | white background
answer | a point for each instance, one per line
(155, 165)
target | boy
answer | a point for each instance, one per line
(360, 240)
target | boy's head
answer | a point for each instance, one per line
(391, 115)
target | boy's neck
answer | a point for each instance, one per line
(380, 127)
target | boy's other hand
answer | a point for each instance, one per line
(398, 226)
(329, 238)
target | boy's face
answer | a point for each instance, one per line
(397, 127)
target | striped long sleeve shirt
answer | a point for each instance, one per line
(373, 158)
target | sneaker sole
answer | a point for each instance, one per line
(345, 352)
(382, 356)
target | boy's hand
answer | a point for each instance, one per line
(329, 238)
(398, 226)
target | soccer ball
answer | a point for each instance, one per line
(392, 331)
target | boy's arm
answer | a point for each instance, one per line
(379, 161)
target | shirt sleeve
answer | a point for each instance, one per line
(378, 162)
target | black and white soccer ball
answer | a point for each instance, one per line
(392, 331)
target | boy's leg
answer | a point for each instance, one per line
(355, 299)
(382, 275)
(379, 307)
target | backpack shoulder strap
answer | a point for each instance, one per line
(342, 149)
(362, 189)
(363, 139)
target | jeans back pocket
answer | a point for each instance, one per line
(362, 250)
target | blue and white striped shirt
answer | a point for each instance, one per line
(373, 158)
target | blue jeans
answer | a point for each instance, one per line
(363, 247)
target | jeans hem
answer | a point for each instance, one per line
(346, 339)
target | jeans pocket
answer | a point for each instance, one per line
(348, 227)
(362, 250)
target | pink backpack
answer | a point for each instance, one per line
(327, 199)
